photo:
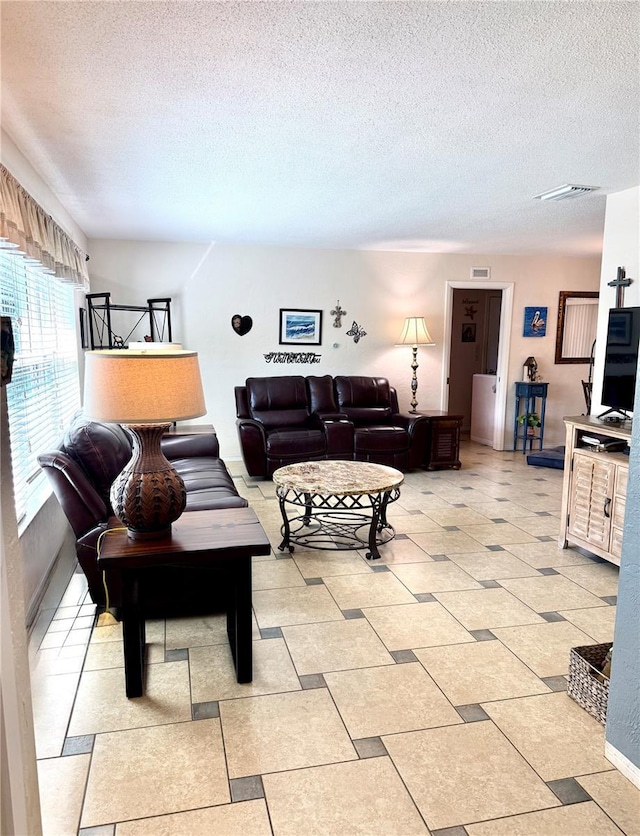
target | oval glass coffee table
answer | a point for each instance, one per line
(343, 504)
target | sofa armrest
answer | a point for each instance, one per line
(80, 501)
(253, 444)
(417, 427)
(330, 416)
(339, 435)
(177, 446)
(411, 423)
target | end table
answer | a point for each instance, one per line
(198, 538)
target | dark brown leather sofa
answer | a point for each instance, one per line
(288, 419)
(81, 471)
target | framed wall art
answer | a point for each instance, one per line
(468, 332)
(535, 322)
(300, 327)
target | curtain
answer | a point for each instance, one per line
(24, 224)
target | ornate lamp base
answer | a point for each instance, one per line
(149, 494)
(414, 380)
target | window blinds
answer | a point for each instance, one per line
(44, 391)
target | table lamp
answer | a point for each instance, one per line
(415, 333)
(146, 390)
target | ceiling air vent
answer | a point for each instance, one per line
(481, 272)
(566, 191)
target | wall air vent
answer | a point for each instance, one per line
(481, 272)
(566, 191)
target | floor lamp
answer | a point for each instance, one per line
(145, 390)
(415, 333)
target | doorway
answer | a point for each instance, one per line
(477, 337)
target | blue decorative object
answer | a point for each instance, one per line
(535, 322)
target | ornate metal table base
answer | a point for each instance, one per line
(338, 513)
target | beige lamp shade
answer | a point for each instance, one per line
(139, 387)
(415, 332)
(153, 346)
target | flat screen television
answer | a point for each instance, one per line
(621, 360)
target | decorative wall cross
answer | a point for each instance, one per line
(338, 313)
(620, 282)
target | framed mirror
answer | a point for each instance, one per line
(577, 325)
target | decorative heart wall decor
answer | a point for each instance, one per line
(241, 324)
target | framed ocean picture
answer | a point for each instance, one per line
(300, 327)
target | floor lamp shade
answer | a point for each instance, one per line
(146, 390)
(415, 333)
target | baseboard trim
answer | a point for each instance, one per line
(487, 442)
(34, 606)
(622, 764)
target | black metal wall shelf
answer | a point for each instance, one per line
(101, 333)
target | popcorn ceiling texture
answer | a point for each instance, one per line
(389, 125)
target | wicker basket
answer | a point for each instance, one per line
(583, 687)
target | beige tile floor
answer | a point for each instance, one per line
(421, 694)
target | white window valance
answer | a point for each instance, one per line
(26, 226)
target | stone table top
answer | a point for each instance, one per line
(337, 478)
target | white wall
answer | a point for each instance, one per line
(621, 248)
(377, 289)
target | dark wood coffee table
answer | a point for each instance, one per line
(197, 539)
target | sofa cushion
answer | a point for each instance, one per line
(321, 397)
(101, 450)
(278, 401)
(380, 438)
(204, 473)
(363, 392)
(292, 444)
(206, 499)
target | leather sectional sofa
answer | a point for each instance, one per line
(288, 419)
(81, 471)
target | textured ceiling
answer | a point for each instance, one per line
(391, 125)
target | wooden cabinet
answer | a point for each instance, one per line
(590, 501)
(443, 441)
(617, 515)
(595, 487)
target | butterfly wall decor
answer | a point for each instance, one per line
(356, 332)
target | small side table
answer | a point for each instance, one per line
(198, 538)
(443, 440)
(527, 397)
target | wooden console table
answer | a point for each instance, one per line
(197, 539)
